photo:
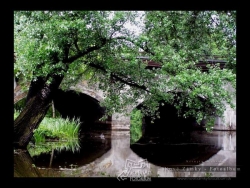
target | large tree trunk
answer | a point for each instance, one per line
(38, 101)
(23, 165)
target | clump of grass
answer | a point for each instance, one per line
(57, 128)
(64, 131)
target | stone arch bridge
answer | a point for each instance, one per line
(122, 122)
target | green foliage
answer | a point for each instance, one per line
(55, 128)
(210, 124)
(16, 113)
(62, 129)
(208, 174)
(46, 147)
(20, 105)
(99, 47)
(49, 113)
(63, 132)
(135, 126)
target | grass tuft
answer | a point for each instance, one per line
(54, 133)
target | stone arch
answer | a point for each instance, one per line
(168, 115)
(90, 90)
(72, 104)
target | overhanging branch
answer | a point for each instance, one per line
(126, 80)
(103, 42)
(130, 83)
(145, 48)
(88, 50)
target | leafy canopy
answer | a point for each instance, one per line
(100, 47)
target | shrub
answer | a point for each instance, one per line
(135, 125)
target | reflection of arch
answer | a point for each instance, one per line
(92, 147)
(113, 161)
(170, 140)
(187, 148)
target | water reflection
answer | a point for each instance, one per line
(72, 145)
(104, 154)
(92, 145)
(186, 148)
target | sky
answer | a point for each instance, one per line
(133, 27)
(136, 28)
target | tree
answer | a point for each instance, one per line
(178, 40)
(58, 48)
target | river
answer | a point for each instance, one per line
(110, 154)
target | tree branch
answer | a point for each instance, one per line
(130, 83)
(116, 29)
(76, 45)
(117, 77)
(88, 50)
(125, 80)
(145, 48)
(103, 42)
(120, 79)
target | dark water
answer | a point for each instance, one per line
(92, 146)
(107, 156)
(186, 148)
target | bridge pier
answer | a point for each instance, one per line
(228, 121)
(120, 122)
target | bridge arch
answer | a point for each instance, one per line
(122, 121)
(90, 90)
(226, 122)
(72, 104)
